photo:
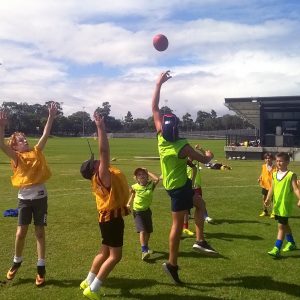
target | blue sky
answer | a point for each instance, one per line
(84, 53)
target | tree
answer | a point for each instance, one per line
(201, 116)
(187, 121)
(165, 110)
(213, 114)
(104, 111)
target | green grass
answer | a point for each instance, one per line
(243, 270)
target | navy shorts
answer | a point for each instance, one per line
(143, 220)
(36, 208)
(264, 192)
(182, 198)
(112, 232)
(282, 220)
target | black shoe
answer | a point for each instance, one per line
(172, 271)
(204, 247)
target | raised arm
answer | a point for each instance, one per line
(52, 113)
(163, 77)
(6, 149)
(188, 151)
(154, 178)
(104, 154)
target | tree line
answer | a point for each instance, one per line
(31, 118)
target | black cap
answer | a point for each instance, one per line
(87, 168)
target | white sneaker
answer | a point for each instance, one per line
(209, 220)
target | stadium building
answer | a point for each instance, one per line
(277, 127)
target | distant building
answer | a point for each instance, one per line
(277, 123)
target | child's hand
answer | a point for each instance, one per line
(163, 77)
(99, 120)
(52, 109)
(3, 119)
(298, 204)
(267, 202)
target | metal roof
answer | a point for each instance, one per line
(249, 107)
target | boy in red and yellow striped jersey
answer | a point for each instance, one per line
(110, 187)
(30, 172)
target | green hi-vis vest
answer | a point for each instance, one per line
(283, 195)
(173, 168)
(197, 183)
(143, 196)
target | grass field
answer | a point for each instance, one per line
(242, 271)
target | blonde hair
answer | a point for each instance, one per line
(12, 141)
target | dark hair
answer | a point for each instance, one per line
(283, 155)
(268, 155)
(169, 127)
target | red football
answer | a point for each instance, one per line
(160, 42)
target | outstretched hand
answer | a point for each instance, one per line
(52, 110)
(99, 120)
(3, 119)
(163, 77)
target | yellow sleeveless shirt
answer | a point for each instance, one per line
(31, 169)
(111, 203)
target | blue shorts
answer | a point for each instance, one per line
(182, 198)
(143, 220)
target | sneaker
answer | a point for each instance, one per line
(289, 247)
(145, 255)
(39, 280)
(275, 252)
(84, 284)
(188, 232)
(172, 271)
(204, 247)
(13, 271)
(272, 216)
(90, 295)
(209, 220)
(264, 214)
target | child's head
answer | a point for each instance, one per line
(18, 142)
(141, 176)
(282, 160)
(169, 127)
(268, 157)
(89, 167)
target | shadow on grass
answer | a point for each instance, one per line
(231, 236)
(229, 221)
(262, 283)
(60, 283)
(136, 284)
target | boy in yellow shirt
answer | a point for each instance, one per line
(30, 172)
(110, 187)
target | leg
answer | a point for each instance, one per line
(115, 255)
(199, 217)
(175, 235)
(144, 238)
(40, 241)
(99, 259)
(20, 239)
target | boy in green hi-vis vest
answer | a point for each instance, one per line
(174, 153)
(141, 193)
(284, 189)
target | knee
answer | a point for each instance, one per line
(40, 235)
(20, 234)
(116, 258)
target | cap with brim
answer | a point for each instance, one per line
(87, 168)
(139, 169)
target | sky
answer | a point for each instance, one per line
(84, 53)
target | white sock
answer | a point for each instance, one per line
(90, 278)
(41, 262)
(18, 259)
(95, 286)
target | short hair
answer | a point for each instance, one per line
(283, 155)
(268, 155)
(12, 141)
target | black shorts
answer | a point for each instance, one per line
(143, 220)
(36, 208)
(282, 220)
(182, 198)
(112, 232)
(264, 192)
